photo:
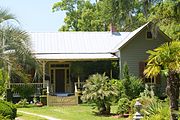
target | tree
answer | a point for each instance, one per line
(5, 16)
(166, 15)
(99, 90)
(15, 56)
(133, 86)
(85, 15)
(81, 15)
(166, 59)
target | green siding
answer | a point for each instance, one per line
(135, 51)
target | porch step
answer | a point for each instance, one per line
(62, 101)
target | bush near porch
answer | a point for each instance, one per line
(7, 110)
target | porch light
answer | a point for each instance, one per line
(137, 115)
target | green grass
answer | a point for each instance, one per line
(28, 117)
(80, 112)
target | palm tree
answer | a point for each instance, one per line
(5, 16)
(166, 59)
(14, 49)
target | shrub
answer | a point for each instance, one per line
(7, 109)
(22, 103)
(133, 86)
(3, 79)
(123, 106)
(120, 88)
(3, 118)
(153, 108)
(158, 112)
(99, 90)
(25, 91)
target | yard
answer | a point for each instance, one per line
(80, 112)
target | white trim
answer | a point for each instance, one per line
(54, 74)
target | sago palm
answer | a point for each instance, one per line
(166, 59)
(99, 90)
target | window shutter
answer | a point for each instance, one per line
(141, 69)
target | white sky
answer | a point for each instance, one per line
(35, 15)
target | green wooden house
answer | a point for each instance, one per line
(57, 52)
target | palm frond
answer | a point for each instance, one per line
(5, 15)
(166, 57)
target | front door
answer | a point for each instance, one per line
(60, 80)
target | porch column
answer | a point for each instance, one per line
(44, 82)
(47, 92)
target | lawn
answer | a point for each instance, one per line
(28, 117)
(80, 112)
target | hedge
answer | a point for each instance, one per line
(8, 109)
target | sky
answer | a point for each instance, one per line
(35, 15)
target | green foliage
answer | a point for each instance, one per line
(123, 106)
(166, 15)
(14, 41)
(157, 110)
(153, 108)
(120, 88)
(132, 85)
(3, 74)
(148, 92)
(25, 91)
(7, 109)
(166, 59)
(86, 15)
(3, 118)
(22, 103)
(163, 59)
(99, 90)
(126, 15)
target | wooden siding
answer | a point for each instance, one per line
(62, 101)
(135, 51)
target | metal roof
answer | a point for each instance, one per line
(79, 45)
(75, 45)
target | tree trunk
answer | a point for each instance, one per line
(102, 108)
(173, 93)
(108, 109)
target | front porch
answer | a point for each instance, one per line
(59, 99)
(63, 81)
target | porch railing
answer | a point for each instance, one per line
(78, 86)
(37, 87)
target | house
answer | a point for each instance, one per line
(58, 51)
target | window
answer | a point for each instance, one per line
(149, 35)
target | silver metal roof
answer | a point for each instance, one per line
(79, 45)
(75, 45)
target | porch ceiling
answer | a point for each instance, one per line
(74, 57)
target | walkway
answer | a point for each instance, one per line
(42, 116)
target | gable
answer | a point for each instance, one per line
(146, 27)
(134, 51)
